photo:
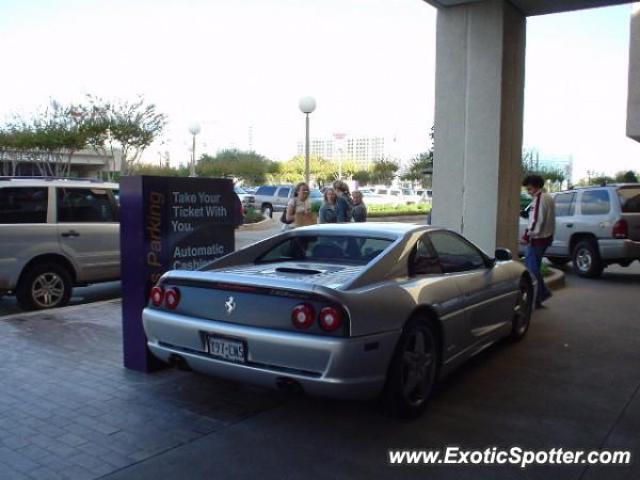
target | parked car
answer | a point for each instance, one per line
(425, 195)
(376, 199)
(410, 196)
(274, 198)
(247, 199)
(595, 227)
(56, 234)
(342, 310)
(388, 196)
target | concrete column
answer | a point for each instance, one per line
(478, 121)
(633, 99)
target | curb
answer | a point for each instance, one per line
(56, 311)
(401, 218)
(256, 225)
(556, 280)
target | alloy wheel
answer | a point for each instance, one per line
(522, 311)
(418, 367)
(47, 290)
(583, 259)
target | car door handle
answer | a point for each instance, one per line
(569, 225)
(70, 233)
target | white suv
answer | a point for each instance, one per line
(56, 234)
(595, 227)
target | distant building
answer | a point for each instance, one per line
(84, 164)
(361, 149)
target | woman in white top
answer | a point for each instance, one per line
(299, 207)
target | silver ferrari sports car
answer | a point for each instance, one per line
(342, 310)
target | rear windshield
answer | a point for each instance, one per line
(326, 248)
(629, 199)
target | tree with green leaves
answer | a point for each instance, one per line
(250, 167)
(626, 177)
(48, 140)
(383, 171)
(51, 137)
(124, 128)
(322, 171)
(420, 170)
(363, 176)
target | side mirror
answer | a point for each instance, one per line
(503, 254)
(524, 213)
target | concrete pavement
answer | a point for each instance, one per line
(68, 409)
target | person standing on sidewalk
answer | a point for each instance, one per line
(359, 212)
(539, 233)
(344, 202)
(328, 211)
(298, 212)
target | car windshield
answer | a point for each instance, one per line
(239, 190)
(315, 194)
(629, 199)
(326, 248)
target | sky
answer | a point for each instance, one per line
(232, 65)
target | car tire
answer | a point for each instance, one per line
(413, 370)
(558, 261)
(522, 311)
(43, 286)
(267, 210)
(586, 259)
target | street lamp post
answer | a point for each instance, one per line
(194, 129)
(307, 105)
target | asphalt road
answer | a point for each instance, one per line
(106, 291)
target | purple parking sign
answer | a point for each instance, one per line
(168, 223)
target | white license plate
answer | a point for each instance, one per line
(227, 349)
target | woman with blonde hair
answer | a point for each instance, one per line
(298, 212)
(328, 211)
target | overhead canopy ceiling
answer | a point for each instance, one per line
(539, 7)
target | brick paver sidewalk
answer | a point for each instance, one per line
(68, 408)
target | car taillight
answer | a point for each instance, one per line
(157, 296)
(303, 316)
(621, 229)
(172, 298)
(330, 319)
